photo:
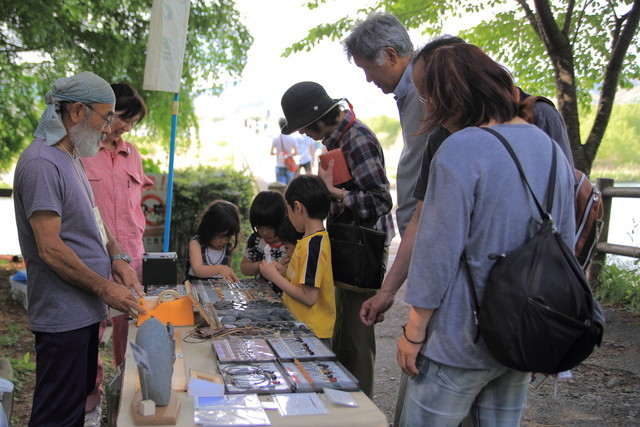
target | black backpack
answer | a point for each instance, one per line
(538, 313)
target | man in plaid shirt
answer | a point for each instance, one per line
(309, 110)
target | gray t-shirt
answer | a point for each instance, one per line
(47, 179)
(548, 119)
(411, 112)
(476, 202)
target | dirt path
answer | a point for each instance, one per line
(604, 390)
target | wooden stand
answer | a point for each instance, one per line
(165, 415)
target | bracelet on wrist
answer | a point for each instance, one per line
(404, 333)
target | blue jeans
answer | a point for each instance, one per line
(284, 175)
(442, 395)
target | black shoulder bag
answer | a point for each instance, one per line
(356, 254)
(538, 313)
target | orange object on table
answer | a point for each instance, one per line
(178, 310)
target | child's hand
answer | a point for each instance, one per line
(282, 264)
(269, 270)
(228, 274)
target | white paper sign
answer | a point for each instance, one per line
(198, 387)
(165, 48)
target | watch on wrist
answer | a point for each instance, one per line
(123, 256)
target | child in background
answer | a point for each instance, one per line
(267, 211)
(289, 237)
(308, 285)
(210, 250)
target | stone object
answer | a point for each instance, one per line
(157, 341)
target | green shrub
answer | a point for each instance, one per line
(193, 190)
(619, 284)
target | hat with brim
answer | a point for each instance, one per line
(303, 104)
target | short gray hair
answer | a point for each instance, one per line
(380, 30)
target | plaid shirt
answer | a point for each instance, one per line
(368, 191)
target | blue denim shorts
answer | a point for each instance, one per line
(442, 395)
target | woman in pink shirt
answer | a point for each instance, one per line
(117, 181)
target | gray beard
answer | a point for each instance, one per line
(85, 139)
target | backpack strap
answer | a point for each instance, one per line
(546, 216)
(552, 174)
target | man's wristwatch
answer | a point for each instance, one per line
(123, 256)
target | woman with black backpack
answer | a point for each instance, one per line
(476, 205)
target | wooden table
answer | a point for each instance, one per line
(200, 356)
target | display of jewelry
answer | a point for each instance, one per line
(261, 378)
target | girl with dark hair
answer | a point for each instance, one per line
(267, 210)
(475, 205)
(210, 250)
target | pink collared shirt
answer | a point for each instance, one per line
(117, 181)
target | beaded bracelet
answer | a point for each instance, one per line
(404, 332)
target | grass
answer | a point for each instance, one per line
(22, 367)
(12, 336)
(619, 285)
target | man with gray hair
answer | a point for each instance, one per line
(75, 269)
(381, 46)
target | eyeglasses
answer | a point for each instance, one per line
(107, 120)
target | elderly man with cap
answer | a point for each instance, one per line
(309, 110)
(69, 253)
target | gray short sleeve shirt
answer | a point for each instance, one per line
(47, 179)
(411, 112)
(476, 203)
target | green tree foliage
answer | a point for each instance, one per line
(387, 129)
(194, 189)
(43, 40)
(562, 49)
(619, 153)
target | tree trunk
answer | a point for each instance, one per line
(561, 54)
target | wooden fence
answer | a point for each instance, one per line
(604, 247)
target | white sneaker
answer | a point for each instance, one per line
(93, 417)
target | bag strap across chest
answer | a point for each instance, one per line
(552, 175)
(547, 220)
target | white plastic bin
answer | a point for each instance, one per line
(19, 291)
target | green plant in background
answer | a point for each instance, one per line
(193, 189)
(12, 336)
(110, 39)
(149, 165)
(386, 128)
(620, 285)
(620, 149)
(22, 367)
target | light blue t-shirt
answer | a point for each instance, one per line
(47, 179)
(476, 202)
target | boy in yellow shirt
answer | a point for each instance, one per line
(308, 284)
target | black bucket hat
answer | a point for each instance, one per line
(303, 104)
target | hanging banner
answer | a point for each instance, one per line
(165, 48)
